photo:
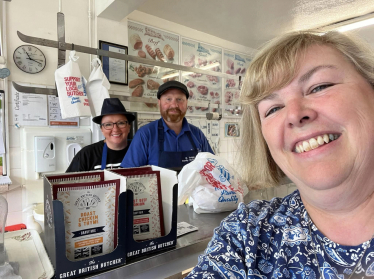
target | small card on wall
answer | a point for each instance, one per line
(232, 130)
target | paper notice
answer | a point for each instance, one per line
(55, 118)
(29, 109)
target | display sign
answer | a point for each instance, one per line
(155, 44)
(233, 64)
(202, 87)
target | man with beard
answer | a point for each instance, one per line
(170, 142)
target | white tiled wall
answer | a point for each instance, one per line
(14, 199)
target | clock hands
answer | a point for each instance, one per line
(33, 59)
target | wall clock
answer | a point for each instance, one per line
(29, 59)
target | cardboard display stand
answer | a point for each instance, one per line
(136, 248)
(55, 236)
(127, 247)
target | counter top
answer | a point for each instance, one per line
(191, 244)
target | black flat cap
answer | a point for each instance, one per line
(113, 106)
(172, 84)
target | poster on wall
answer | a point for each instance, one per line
(142, 121)
(210, 129)
(233, 64)
(202, 87)
(154, 44)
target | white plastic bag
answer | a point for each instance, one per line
(97, 88)
(212, 183)
(71, 87)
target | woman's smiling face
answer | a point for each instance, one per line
(320, 127)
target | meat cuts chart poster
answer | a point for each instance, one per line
(155, 44)
(202, 87)
(233, 64)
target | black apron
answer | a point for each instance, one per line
(174, 160)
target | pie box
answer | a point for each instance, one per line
(54, 231)
(169, 193)
(127, 247)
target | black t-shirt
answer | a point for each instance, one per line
(89, 158)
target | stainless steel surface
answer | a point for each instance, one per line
(61, 38)
(50, 91)
(100, 52)
(192, 243)
(3, 216)
(34, 90)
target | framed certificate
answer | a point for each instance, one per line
(114, 69)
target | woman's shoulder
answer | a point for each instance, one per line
(91, 149)
(274, 211)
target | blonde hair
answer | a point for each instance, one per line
(272, 68)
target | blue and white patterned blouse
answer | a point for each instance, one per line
(271, 239)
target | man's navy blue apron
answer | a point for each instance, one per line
(170, 159)
(103, 156)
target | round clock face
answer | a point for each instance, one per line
(29, 59)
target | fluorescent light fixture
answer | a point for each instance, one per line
(206, 67)
(350, 23)
(356, 25)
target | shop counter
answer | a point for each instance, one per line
(177, 259)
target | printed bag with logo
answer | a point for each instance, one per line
(71, 87)
(212, 183)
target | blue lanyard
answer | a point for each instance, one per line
(103, 157)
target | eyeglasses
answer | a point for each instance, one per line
(110, 125)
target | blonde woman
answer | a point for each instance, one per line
(309, 115)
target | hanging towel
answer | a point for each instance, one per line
(97, 87)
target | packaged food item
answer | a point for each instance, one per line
(148, 219)
(90, 215)
(76, 178)
(148, 215)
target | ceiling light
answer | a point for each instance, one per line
(351, 23)
(356, 25)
